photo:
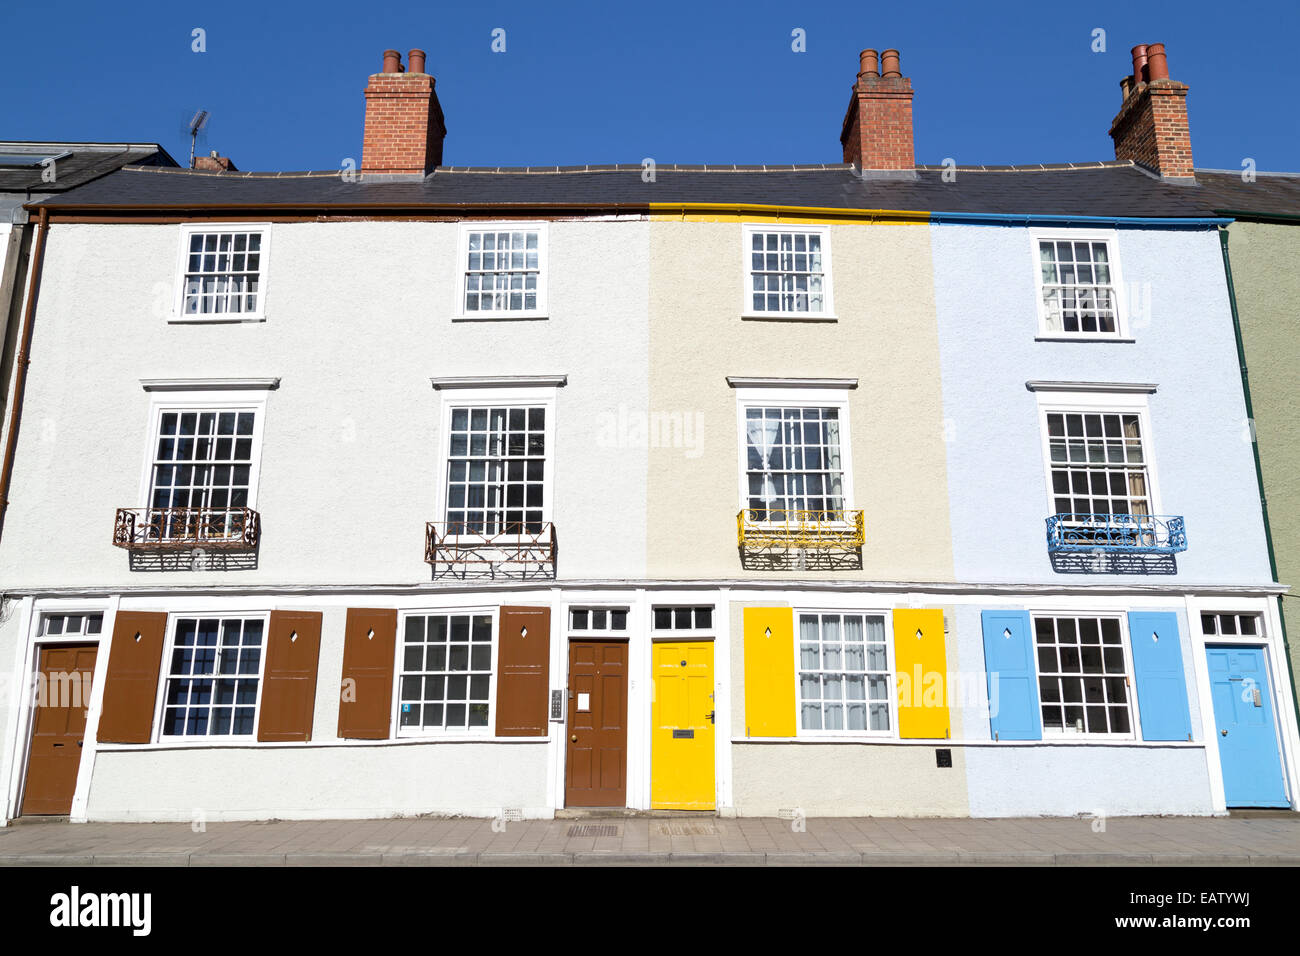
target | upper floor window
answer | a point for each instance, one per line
(1078, 283)
(788, 272)
(793, 461)
(502, 271)
(212, 677)
(1098, 464)
(223, 271)
(496, 469)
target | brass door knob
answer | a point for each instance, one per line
(574, 738)
(1224, 732)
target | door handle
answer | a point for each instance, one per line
(709, 715)
(1224, 732)
(574, 738)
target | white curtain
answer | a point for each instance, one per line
(762, 438)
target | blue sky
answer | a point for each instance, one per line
(601, 82)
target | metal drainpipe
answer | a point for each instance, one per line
(1254, 445)
(23, 360)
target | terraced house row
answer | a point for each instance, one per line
(853, 488)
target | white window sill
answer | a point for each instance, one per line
(501, 317)
(789, 317)
(1084, 338)
(220, 319)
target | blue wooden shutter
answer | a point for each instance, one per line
(1158, 672)
(1012, 676)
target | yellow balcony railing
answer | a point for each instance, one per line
(779, 528)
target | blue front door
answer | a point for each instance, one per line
(1243, 719)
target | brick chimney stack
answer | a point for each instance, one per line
(404, 123)
(877, 131)
(1151, 128)
(214, 163)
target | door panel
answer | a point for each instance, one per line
(682, 738)
(1248, 752)
(596, 751)
(58, 727)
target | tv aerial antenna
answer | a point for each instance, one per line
(199, 121)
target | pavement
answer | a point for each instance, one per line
(1265, 839)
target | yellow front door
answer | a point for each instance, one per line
(681, 745)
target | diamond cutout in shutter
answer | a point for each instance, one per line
(1154, 636)
(918, 633)
(767, 632)
(1006, 632)
(137, 637)
(370, 634)
(523, 631)
(293, 637)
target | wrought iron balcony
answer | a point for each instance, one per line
(1119, 534)
(803, 530)
(181, 529)
(528, 548)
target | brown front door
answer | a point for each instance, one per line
(596, 763)
(58, 727)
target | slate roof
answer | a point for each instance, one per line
(1113, 189)
(1269, 194)
(76, 163)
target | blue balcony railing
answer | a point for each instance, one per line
(1122, 534)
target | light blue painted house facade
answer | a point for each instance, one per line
(1104, 502)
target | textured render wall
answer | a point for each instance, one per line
(1267, 283)
(986, 300)
(840, 779)
(358, 319)
(1064, 779)
(266, 783)
(9, 691)
(851, 779)
(885, 337)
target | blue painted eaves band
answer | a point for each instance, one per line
(1033, 219)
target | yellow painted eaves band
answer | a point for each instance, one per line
(760, 212)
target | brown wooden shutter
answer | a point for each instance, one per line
(289, 688)
(523, 659)
(366, 697)
(131, 684)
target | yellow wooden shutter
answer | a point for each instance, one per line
(769, 672)
(921, 663)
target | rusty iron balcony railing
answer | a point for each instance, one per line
(179, 529)
(782, 528)
(532, 545)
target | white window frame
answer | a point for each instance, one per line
(692, 633)
(746, 274)
(887, 614)
(444, 733)
(1130, 682)
(160, 701)
(1100, 403)
(778, 396)
(531, 396)
(459, 313)
(182, 260)
(606, 633)
(252, 399)
(1111, 238)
